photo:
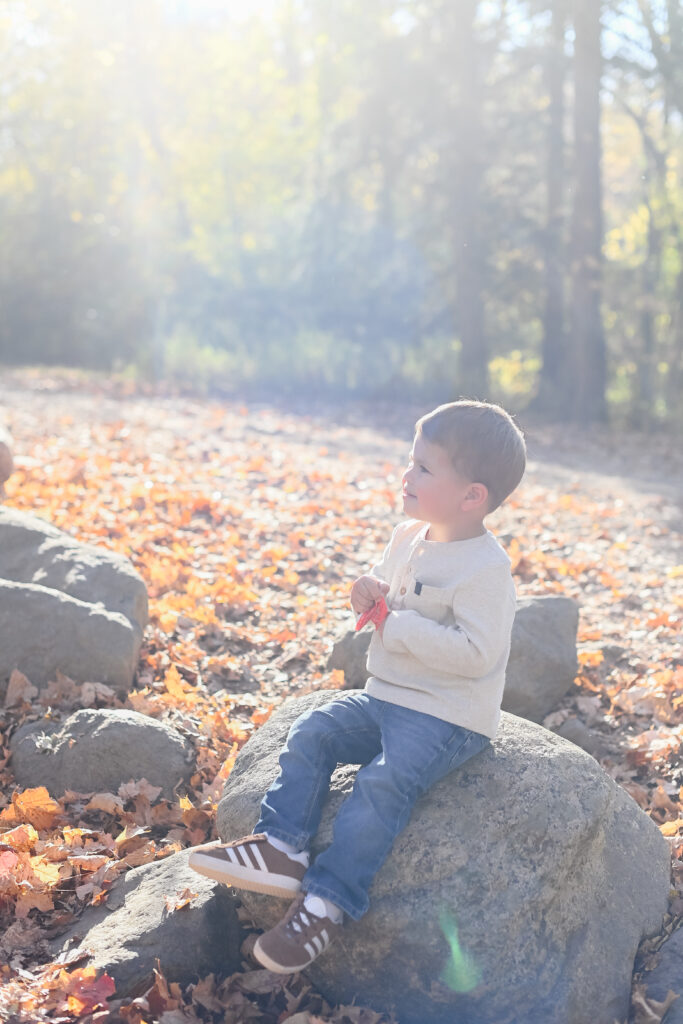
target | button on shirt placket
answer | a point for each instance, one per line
(407, 583)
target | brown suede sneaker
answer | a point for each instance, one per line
(249, 863)
(296, 941)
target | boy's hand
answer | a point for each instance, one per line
(366, 591)
(377, 614)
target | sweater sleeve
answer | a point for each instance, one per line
(381, 569)
(484, 611)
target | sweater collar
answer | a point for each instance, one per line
(449, 544)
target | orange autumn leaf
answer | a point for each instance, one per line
(36, 807)
(46, 871)
(106, 802)
(85, 992)
(180, 900)
(23, 837)
(282, 636)
(89, 861)
(671, 828)
(588, 658)
(262, 715)
(130, 838)
(142, 855)
(663, 619)
(174, 683)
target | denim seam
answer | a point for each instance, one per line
(340, 901)
(429, 767)
(295, 839)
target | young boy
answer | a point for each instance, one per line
(432, 701)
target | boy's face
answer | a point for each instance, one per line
(434, 491)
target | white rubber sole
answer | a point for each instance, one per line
(271, 965)
(243, 878)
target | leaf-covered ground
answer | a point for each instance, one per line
(249, 524)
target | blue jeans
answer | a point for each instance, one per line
(403, 752)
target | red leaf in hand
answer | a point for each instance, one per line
(377, 614)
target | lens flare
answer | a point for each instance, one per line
(461, 974)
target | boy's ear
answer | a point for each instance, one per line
(478, 492)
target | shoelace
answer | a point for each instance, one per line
(307, 919)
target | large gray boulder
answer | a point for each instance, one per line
(65, 605)
(541, 667)
(98, 750)
(544, 873)
(34, 551)
(42, 631)
(136, 926)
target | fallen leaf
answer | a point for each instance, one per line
(36, 807)
(19, 689)
(180, 900)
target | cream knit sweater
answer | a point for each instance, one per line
(446, 639)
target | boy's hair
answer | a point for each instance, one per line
(483, 443)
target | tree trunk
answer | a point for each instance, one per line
(472, 379)
(551, 398)
(642, 415)
(587, 363)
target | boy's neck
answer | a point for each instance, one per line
(443, 533)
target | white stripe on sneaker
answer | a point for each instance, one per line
(256, 853)
(325, 936)
(319, 944)
(310, 950)
(230, 854)
(247, 855)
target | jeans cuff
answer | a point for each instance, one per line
(299, 840)
(320, 890)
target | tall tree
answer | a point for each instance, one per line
(587, 381)
(468, 239)
(551, 397)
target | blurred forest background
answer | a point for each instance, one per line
(420, 199)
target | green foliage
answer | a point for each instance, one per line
(271, 202)
(513, 376)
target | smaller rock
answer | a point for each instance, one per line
(6, 460)
(613, 652)
(594, 743)
(543, 662)
(98, 750)
(667, 976)
(350, 654)
(126, 935)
